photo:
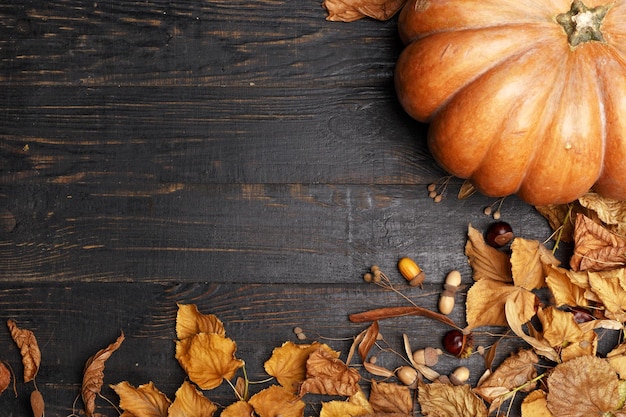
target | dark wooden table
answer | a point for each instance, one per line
(249, 157)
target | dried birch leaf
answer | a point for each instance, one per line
(191, 402)
(586, 386)
(329, 375)
(391, 398)
(344, 408)
(189, 322)
(361, 400)
(29, 349)
(445, 400)
(529, 260)
(351, 10)
(369, 340)
(93, 375)
(536, 405)
(208, 359)
(562, 332)
(37, 403)
(288, 363)
(486, 299)
(565, 288)
(541, 346)
(144, 401)
(5, 377)
(277, 401)
(486, 261)
(610, 212)
(238, 409)
(596, 248)
(608, 287)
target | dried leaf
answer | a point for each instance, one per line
(378, 370)
(391, 398)
(329, 375)
(5, 377)
(536, 405)
(565, 288)
(562, 332)
(486, 299)
(559, 217)
(144, 401)
(343, 409)
(541, 346)
(93, 375)
(37, 403)
(369, 340)
(596, 248)
(445, 400)
(238, 409)
(486, 261)
(611, 212)
(529, 261)
(288, 363)
(189, 322)
(466, 191)
(190, 402)
(277, 401)
(208, 359)
(617, 359)
(583, 387)
(608, 286)
(351, 10)
(29, 349)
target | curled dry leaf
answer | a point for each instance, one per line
(277, 401)
(5, 377)
(288, 363)
(189, 322)
(208, 359)
(37, 403)
(541, 346)
(610, 212)
(586, 386)
(29, 349)
(486, 261)
(190, 402)
(391, 398)
(369, 340)
(326, 374)
(351, 10)
(93, 375)
(445, 400)
(144, 401)
(596, 248)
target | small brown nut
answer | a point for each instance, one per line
(407, 375)
(460, 375)
(428, 356)
(411, 272)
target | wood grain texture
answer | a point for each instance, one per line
(249, 157)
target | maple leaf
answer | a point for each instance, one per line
(238, 409)
(595, 247)
(351, 10)
(277, 401)
(326, 374)
(208, 359)
(288, 363)
(535, 405)
(29, 349)
(529, 261)
(189, 322)
(143, 401)
(486, 261)
(191, 402)
(445, 400)
(391, 398)
(5, 377)
(93, 375)
(586, 386)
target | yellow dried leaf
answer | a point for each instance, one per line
(611, 212)
(342, 409)
(5, 377)
(351, 10)
(540, 345)
(29, 349)
(536, 405)
(190, 402)
(326, 374)
(361, 400)
(445, 400)
(277, 401)
(391, 398)
(486, 261)
(607, 286)
(529, 260)
(559, 327)
(617, 359)
(486, 299)
(189, 322)
(93, 375)
(288, 363)
(583, 387)
(238, 409)
(208, 359)
(596, 248)
(144, 401)
(565, 287)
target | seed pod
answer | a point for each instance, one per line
(407, 375)
(428, 356)
(460, 375)
(446, 300)
(411, 272)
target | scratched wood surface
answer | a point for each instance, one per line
(249, 157)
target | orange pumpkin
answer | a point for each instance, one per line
(523, 97)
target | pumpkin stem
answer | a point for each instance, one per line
(582, 24)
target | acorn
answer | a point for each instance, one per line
(411, 272)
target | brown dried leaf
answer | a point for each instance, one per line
(608, 286)
(562, 332)
(189, 322)
(595, 247)
(529, 261)
(486, 299)
(288, 363)
(486, 261)
(351, 10)
(277, 401)
(37, 403)
(558, 215)
(29, 349)
(329, 375)
(445, 400)
(391, 398)
(611, 212)
(144, 401)
(536, 405)
(541, 346)
(583, 387)
(5, 377)
(238, 409)
(191, 402)
(564, 284)
(208, 359)
(369, 340)
(93, 375)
